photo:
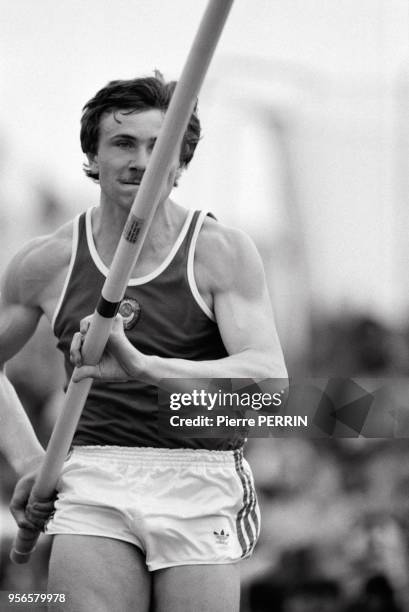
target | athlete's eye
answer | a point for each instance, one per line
(124, 144)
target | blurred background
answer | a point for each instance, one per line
(305, 147)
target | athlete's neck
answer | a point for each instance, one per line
(108, 224)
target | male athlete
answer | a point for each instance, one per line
(144, 521)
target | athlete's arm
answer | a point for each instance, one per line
(229, 270)
(22, 290)
(18, 321)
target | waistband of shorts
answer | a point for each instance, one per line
(149, 455)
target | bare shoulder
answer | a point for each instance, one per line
(227, 256)
(34, 269)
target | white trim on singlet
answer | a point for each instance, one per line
(74, 246)
(141, 279)
(191, 269)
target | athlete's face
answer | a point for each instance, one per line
(125, 145)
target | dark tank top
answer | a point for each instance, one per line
(164, 316)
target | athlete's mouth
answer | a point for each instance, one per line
(134, 180)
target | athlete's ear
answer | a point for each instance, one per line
(93, 162)
(177, 176)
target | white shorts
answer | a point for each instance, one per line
(179, 506)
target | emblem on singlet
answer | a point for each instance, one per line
(130, 310)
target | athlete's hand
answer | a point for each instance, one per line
(120, 361)
(26, 513)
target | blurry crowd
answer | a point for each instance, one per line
(335, 526)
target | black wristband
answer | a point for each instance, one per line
(106, 308)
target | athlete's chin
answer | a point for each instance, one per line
(128, 192)
(126, 201)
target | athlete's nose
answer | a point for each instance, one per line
(140, 158)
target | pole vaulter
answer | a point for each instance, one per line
(130, 245)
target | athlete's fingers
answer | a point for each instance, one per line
(117, 330)
(84, 324)
(30, 514)
(39, 512)
(86, 371)
(75, 349)
(41, 509)
(118, 324)
(117, 336)
(18, 506)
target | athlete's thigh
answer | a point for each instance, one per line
(98, 573)
(202, 588)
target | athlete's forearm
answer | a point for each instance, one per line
(18, 442)
(124, 362)
(247, 364)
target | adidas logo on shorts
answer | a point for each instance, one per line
(222, 537)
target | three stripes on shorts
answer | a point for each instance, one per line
(247, 521)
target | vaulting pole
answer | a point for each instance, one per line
(130, 245)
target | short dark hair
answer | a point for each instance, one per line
(136, 95)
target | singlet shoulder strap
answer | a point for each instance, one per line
(195, 227)
(78, 227)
